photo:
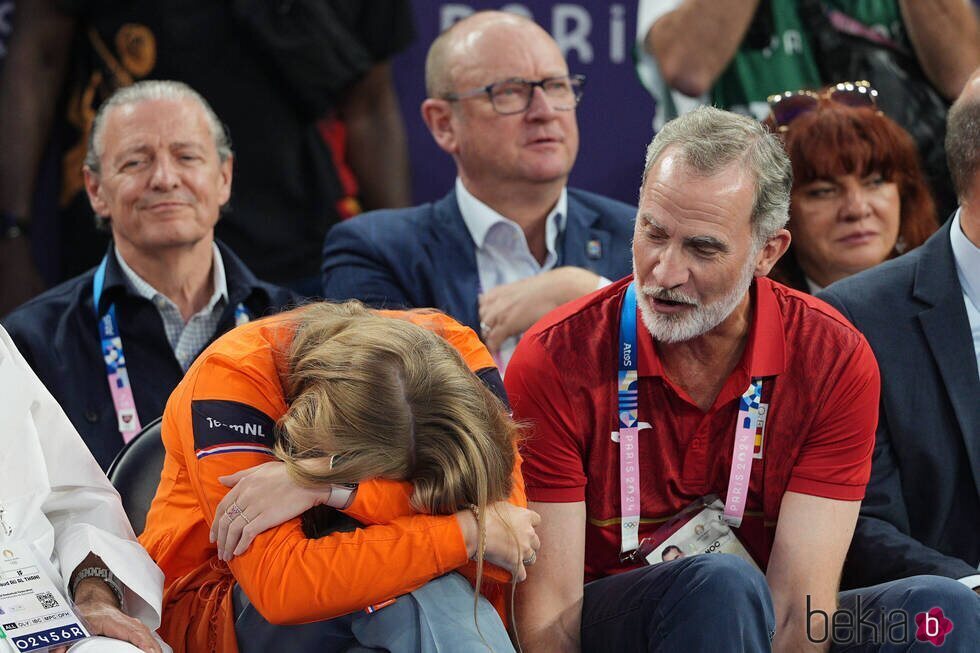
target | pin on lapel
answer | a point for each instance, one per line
(593, 249)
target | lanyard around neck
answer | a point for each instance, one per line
(628, 410)
(120, 387)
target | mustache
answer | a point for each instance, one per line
(668, 295)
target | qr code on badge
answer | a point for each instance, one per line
(47, 600)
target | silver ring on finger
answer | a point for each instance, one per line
(236, 511)
(530, 560)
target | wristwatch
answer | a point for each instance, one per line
(106, 577)
(341, 495)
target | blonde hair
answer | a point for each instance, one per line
(385, 398)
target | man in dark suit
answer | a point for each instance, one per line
(921, 315)
(510, 242)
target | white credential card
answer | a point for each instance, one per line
(34, 614)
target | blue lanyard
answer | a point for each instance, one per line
(628, 410)
(627, 406)
(127, 419)
(627, 401)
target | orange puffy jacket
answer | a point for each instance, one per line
(220, 420)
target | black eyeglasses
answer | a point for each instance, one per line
(514, 95)
(786, 107)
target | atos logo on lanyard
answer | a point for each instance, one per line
(628, 410)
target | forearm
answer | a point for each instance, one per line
(377, 149)
(799, 622)
(345, 571)
(946, 37)
(563, 635)
(92, 589)
(32, 77)
(694, 43)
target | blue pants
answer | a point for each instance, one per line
(718, 602)
(713, 603)
(436, 618)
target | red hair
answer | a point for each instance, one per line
(835, 140)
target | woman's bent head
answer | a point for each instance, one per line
(381, 397)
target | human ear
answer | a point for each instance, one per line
(775, 247)
(438, 117)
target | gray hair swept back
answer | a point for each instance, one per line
(710, 140)
(153, 90)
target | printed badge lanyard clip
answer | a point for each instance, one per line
(628, 405)
(128, 421)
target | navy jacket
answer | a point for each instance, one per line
(424, 256)
(58, 335)
(922, 508)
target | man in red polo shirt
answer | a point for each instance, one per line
(728, 385)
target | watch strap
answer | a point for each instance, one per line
(106, 577)
(341, 495)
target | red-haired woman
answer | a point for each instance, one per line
(859, 195)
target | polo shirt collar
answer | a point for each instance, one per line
(765, 351)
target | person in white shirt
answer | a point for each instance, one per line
(54, 496)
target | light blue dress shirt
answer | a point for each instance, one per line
(502, 252)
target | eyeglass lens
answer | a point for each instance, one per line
(514, 95)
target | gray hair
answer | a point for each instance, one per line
(710, 140)
(144, 92)
(963, 144)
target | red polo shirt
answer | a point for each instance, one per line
(820, 382)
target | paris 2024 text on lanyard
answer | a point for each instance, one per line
(115, 361)
(628, 405)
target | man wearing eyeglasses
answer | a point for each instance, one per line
(510, 241)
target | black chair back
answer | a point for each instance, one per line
(135, 472)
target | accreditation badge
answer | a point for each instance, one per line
(698, 529)
(34, 614)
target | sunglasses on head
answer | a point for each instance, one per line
(786, 107)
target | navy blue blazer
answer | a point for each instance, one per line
(58, 334)
(424, 256)
(922, 508)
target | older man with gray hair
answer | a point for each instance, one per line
(111, 344)
(701, 406)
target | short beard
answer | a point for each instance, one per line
(671, 328)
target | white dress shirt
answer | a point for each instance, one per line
(502, 252)
(55, 496)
